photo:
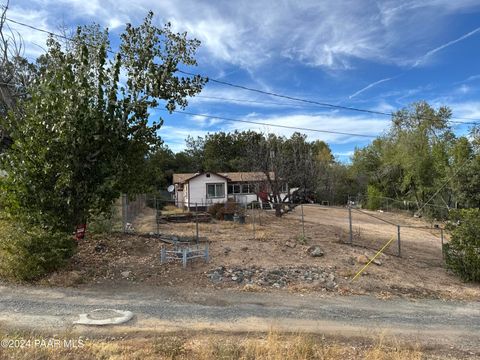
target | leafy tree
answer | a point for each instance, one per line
(162, 164)
(85, 133)
(222, 151)
(414, 159)
(462, 253)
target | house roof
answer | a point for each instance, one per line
(231, 176)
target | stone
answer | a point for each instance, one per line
(330, 285)
(362, 259)
(331, 277)
(315, 251)
(245, 248)
(100, 248)
(227, 250)
(377, 262)
(216, 277)
(125, 274)
(290, 244)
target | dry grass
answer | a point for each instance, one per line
(172, 210)
(209, 347)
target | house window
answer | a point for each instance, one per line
(216, 190)
(242, 189)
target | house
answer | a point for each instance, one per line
(205, 188)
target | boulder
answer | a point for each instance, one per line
(315, 251)
(362, 259)
(290, 244)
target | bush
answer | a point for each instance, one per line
(374, 198)
(27, 253)
(219, 210)
(216, 211)
(462, 253)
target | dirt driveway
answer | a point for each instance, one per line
(449, 325)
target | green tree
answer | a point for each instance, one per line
(462, 253)
(85, 132)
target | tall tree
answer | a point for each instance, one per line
(84, 133)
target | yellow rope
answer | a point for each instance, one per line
(378, 253)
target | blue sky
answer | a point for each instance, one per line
(378, 55)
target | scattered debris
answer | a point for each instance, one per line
(125, 274)
(201, 217)
(290, 244)
(129, 228)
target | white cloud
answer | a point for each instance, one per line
(251, 34)
(430, 53)
(34, 41)
(369, 86)
(174, 136)
(468, 109)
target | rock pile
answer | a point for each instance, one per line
(277, 277)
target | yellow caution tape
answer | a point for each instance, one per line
(378, 253)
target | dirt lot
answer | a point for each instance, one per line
(277, 249)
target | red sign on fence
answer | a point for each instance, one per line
(80, 231)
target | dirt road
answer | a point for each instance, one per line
(429, 322)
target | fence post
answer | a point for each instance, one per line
(124, 212)
(259, 211)
(303, 223)
(163, 255)
(441, 236)
(398, 240)
(156, 213)
(207, 258)
(350, 221)
(184, 257)
(254, 235)
(196, 220)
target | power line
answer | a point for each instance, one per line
(272, 125)
(288, 97)
(323, 104)
(253, 101)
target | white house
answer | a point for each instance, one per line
(201, 189)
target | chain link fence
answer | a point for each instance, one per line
(174, 222)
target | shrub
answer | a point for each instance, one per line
(219, 210)
(374, 198)
(215, 210)
(462, 253)
(27, 253)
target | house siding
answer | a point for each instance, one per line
(198, 190)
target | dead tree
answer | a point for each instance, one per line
(285, 163)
